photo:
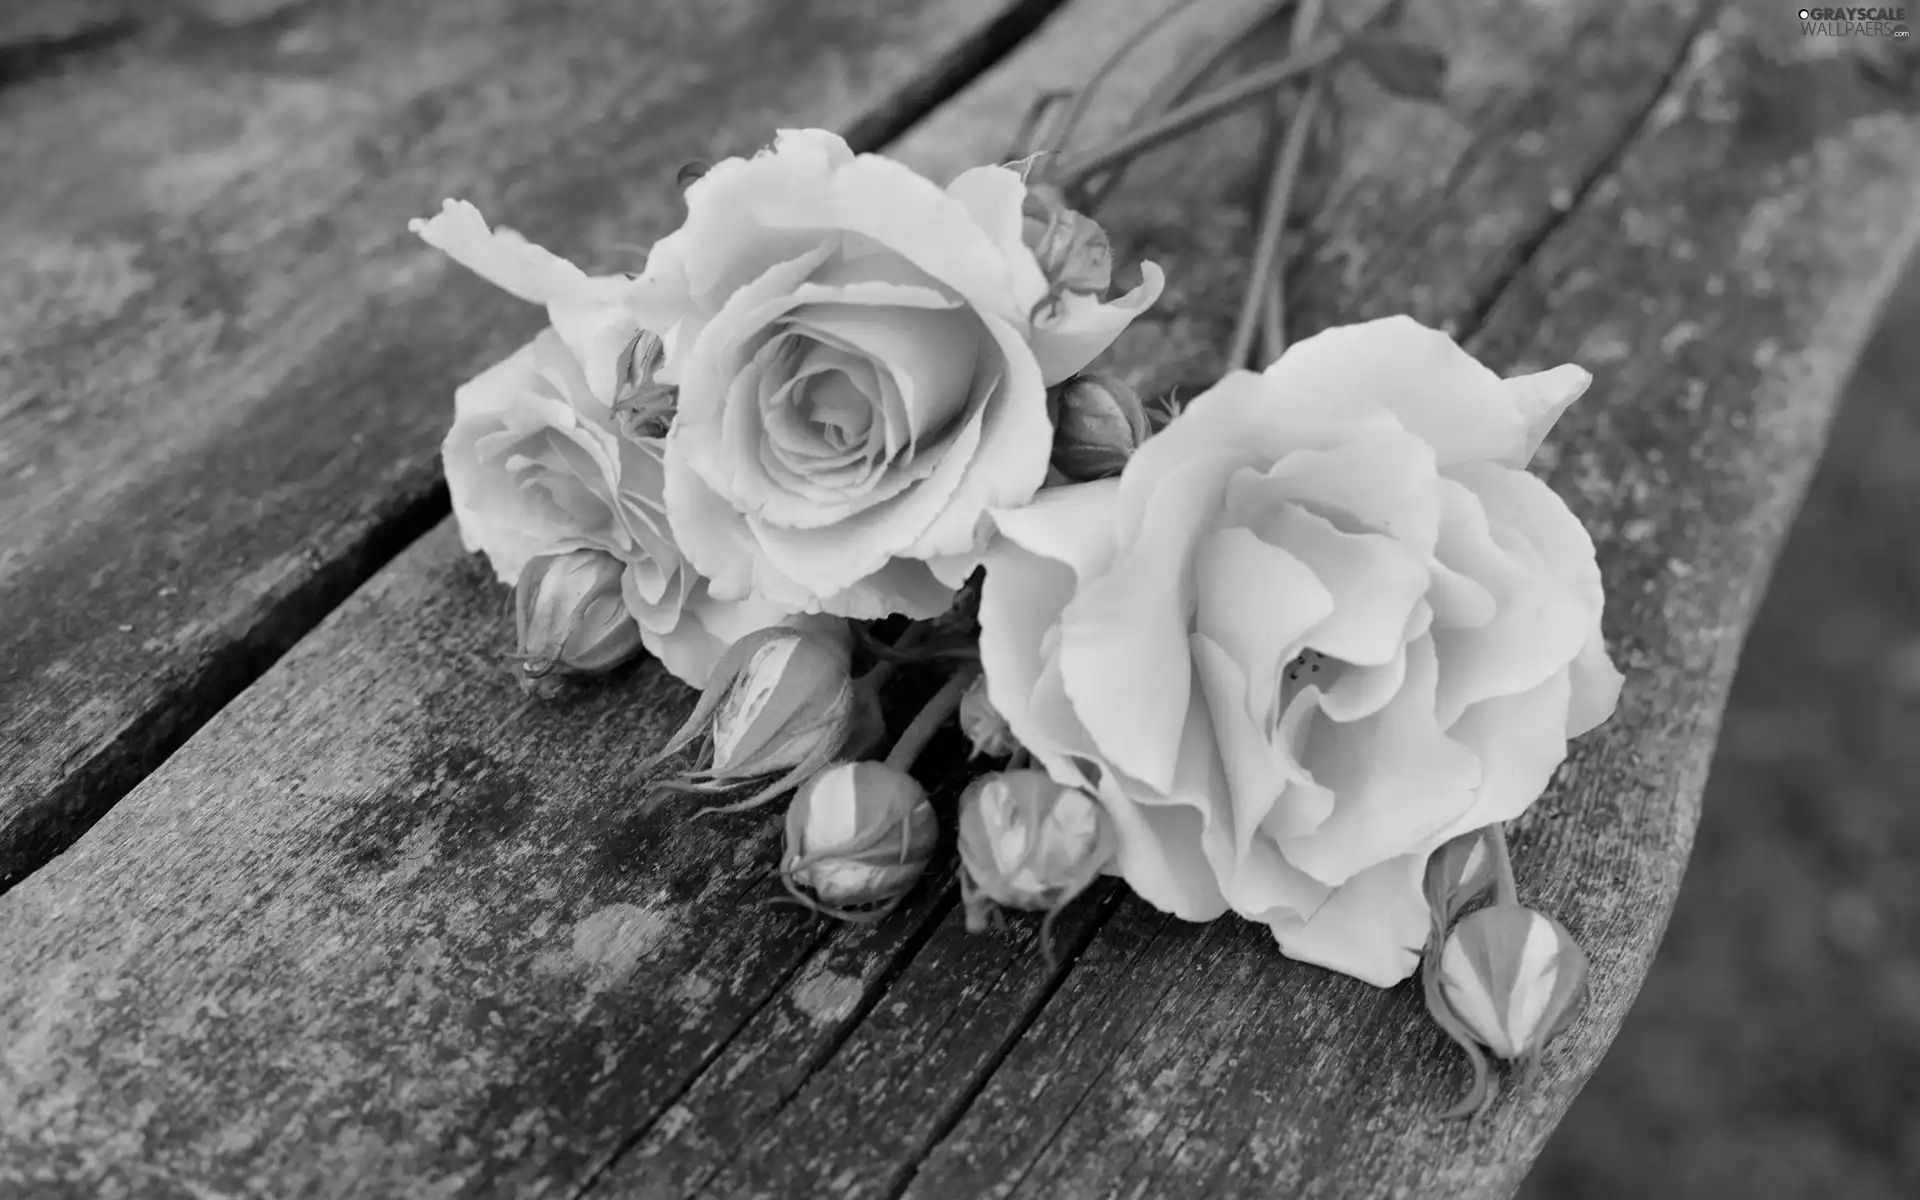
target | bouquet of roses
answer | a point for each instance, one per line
(1295, 650)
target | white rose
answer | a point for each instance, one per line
(1320, 624)
(861, 369)
(536, 464)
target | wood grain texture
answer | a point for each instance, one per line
(227, 361)
(352, 940)
(1719, 282)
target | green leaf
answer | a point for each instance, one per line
(1404, 68)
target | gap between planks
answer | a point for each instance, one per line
(96, 774)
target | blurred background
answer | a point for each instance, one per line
(1775, 1051)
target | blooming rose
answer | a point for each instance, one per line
(862, 371)
(1321, 623)
(536, 464)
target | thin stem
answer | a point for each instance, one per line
(1272, 224)
(1179, 86)
(912, 636)
(928, 721)
(1505, 890)
(1273, 321)
(1083, 99)
(1264, 290)
(1242, 91)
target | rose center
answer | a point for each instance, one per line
(837, 410)
(1309, 668)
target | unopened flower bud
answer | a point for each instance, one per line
(779, 700)
(859, 836)
(792, 695)
(983, 724)
(1072, 250)
(570, 619)
(1510, 979)
(643, 408)
(1459, 873)
(1098, 422)
(1027, 842)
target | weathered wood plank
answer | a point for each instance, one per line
(227, 361)
(1719, 284)
(1498, 166)
(443, 959)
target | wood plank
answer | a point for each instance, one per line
(1719, 283)
(1501, 166)
(227, 367)
(396, 952)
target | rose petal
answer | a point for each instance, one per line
(1244, 420)
(499, 256)
(1133, 703)
(1010, 462)
(1085, 327)
(1371, 928)
(1595, 684)
(1520, 741)
(1396, 778)
(1257, 603)
(993, 196)
(1384, 482)
(1375, 583)
(1436, 389)
(747, 214)
(1161, 859)
(589, 313)
(903, 587)
(931, 354)
(1540, 398)
(884, 200)
(711, 535)
(1071, 525)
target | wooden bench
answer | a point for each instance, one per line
(298, 907)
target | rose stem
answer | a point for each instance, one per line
(1273, 222)
(1505, 891)
(1076, 171)
(1083, 99)
(1180, 84)
(878, 673)
(928, 722)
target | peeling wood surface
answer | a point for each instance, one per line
(352, 941)
(227, 362)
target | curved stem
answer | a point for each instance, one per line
(1083, 99)
(1505, 890)
(928, 721)
(1248, 88)
(1265, 292)
(1273, 223)
(1180, 84)
(878, 673)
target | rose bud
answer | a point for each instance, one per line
(779, 700)
(643, 408)
(859, 836)
(1027, 842)
(983, 724)
(1510, 979)
(570, 620)
(1459, 873)
(1098, 422)
(1072, 250)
